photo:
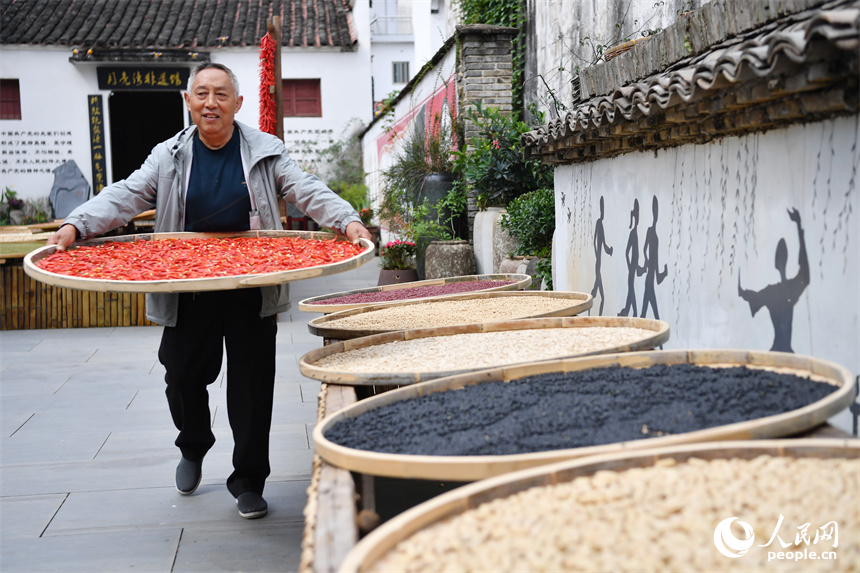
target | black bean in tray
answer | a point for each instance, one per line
(576, 409)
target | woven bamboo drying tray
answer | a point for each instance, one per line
(380, 541)
(519, 282)
(658, 333)
(320, 326)
(468, 468)
(195, 285)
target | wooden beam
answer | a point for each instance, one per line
(274, 27)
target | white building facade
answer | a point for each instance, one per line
(106, 110)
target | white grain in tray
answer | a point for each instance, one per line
(452, 312)
(658, 518)
(474, 351)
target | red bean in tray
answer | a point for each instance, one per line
(410, 293)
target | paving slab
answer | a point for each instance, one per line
(87, 454)
(98, 552)
(28, 516)
(268, 548)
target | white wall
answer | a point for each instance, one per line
(566, 35)
(345, 90)
(380, 143)
(384, 54)
(723, 208)
(53, 99)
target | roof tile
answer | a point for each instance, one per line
(174, 24)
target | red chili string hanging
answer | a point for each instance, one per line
(268, 109)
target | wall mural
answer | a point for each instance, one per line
(631, 255)
(766, 221)
(780, 298)
(599, 247)
(651, 256)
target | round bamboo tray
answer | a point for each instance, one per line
(195, 285)
(379, 542)
(659, 333)
(469, 468)
(520, 282)
(579, 302)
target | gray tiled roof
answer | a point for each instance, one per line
(810, 57)
(174, 24)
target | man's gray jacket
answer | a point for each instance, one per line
(161, 183)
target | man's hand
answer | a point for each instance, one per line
(355, 231)
(63, 237)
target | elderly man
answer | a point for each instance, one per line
(216, 176)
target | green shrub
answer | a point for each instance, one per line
(354, 193)
(530, 219)
(495, 167)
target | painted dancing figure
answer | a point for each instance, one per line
(781, 297)
(631, 254)
(652, 264)
(599, 246)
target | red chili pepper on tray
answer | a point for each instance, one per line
(170, 259)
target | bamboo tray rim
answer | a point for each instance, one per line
(317, 326)
(195, 285)
(457, 501)
(659, 328)
(520, 282)
(467, 468)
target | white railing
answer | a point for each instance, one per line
(391, 26)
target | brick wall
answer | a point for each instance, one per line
(484, 74)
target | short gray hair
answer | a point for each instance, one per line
(213, 65)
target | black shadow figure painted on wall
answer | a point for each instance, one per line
(651, 263)
(631, 254)
(599, 246)
(780, 298)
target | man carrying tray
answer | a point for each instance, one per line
(216, 176)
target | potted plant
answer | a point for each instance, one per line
(494, 170)
(418, 194)
(11, 208)
(398, 263)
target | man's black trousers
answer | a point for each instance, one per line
(192, 352)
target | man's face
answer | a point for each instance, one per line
(213, 104)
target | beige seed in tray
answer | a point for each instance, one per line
(659, 518)
(452, 312)
(473, 351)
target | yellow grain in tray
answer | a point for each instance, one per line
(659, 518)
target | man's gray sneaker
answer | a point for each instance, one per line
(252, 505)
(188, 476)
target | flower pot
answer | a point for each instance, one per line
(396, 276)
(492, 243)
(485, 222)
(435, 187)
(449, 259)
(515, 265)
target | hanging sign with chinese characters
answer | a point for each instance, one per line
(137, 78)
(31, 152)
(97, 142)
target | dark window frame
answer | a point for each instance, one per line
(302, 97)
(400, 72)
(10, 99)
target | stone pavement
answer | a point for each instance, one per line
(86, 482)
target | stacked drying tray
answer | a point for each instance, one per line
(656, 446)
(782, 395)
(531, 321)
(418, 290)
(662, 509)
